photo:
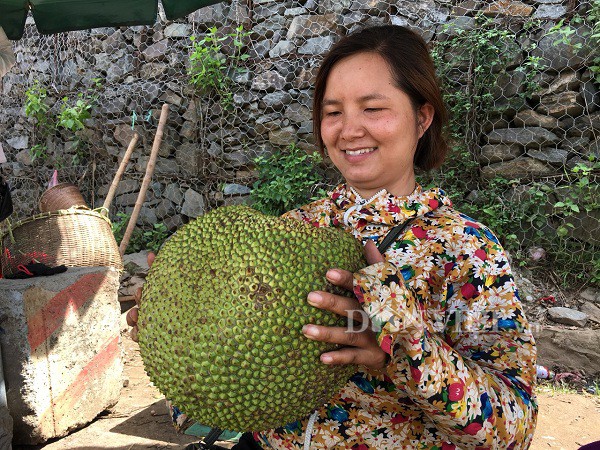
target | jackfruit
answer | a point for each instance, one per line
(222, 310)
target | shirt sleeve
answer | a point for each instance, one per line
(461, 348)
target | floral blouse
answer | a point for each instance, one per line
(446, 309)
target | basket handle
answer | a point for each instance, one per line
(147, 178)
(119, 174)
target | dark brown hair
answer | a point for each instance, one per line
(413, 71)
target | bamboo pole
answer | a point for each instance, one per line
(120, 171)
(147, 177)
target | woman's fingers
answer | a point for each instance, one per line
(339, 335)
(134, 334)
(359, 346)
(376, 359)
(132, 316)
(132, 320)
(372, 253)
(138, 296)
(341, 278)
(338, 304)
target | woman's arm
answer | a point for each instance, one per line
(473, 371)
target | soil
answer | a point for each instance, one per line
(140, 421)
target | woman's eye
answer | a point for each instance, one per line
(332, 113)
(373, 109)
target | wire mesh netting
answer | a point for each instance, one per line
(521, 80)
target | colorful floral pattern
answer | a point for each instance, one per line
(445, 308)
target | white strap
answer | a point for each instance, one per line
(309, 429)
(359, 203)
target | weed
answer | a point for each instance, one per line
(151, 239)
(210, 69)
(285, 180)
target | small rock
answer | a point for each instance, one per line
(126, 382)
(591, 294)
(567, 316)
(236, 189)
(537, 253)
(19, 142)
(592, 311)
(136, 263)
(132, 285)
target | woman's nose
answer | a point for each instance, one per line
(352, 127)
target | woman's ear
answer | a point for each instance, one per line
(425, 117)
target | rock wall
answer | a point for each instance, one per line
(207, 156)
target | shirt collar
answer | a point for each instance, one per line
(383, 209)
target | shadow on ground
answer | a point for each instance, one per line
(151, 423)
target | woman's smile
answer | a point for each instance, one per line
(360, 151)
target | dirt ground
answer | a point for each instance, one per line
(140, 421)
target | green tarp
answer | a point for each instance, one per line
(54, 16)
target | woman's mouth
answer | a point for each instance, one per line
(360, 151)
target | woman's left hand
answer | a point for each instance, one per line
(359, 345)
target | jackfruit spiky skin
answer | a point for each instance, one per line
(222, 312)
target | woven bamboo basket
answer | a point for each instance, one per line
(61, 196)
(73, 237)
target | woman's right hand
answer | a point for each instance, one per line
(132, 314)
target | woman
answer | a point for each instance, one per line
(448, 358)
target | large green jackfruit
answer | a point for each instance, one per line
(222, 313)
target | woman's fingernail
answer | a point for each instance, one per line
(333, 275)
(326, 359)
(310, 331)
(314, 298)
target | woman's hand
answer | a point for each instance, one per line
(359, 346)
(132, 314)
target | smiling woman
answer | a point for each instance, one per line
(447, 358)
(442, 303)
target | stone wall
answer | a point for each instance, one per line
(206, 157)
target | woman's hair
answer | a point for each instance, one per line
(413, 71)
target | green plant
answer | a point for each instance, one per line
(546, 214)
(119, 224)
(153, 239)
(36, 106)
(149, 239)
(35, 102)
(531, 66)
(285, 180)
(593, 17)
(71, 118)
(210, 69)
(564, 35)
(469, 63)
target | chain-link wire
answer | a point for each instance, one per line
(521, 80)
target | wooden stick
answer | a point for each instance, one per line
(120, 171)
(147, 177)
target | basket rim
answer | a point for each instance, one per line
(99, 212)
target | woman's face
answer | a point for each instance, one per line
(370, 127)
